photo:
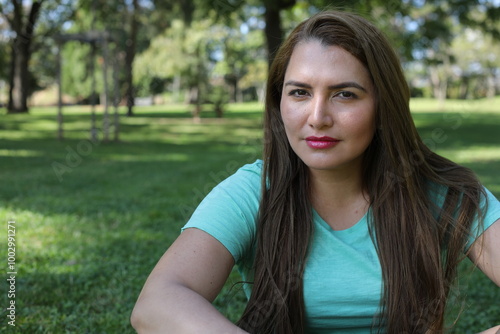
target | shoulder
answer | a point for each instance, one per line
(491, 207)
(437, 194)
(488, 210)
(251, 170)
(240, 191)
(229, 212)
(247, 179)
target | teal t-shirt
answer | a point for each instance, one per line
(342, 278)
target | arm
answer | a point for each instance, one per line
(485, 253)
(177, 295)
(494, 330)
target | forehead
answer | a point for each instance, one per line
(313, 60)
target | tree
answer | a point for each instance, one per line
(273, 29)
(76, 71)
(4, 55)
(242, 45)
(477, 64)
(271, 11)
(155, 62)
(152, 17)
(21, 51)
(30, 28)
(104, 16)
(434, 25)
(130, 55)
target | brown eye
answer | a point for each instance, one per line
(298, 93)
(346, 95)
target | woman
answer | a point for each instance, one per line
(350, 223)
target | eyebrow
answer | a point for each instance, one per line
(341, 85)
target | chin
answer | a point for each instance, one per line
(329, 165)
(316, 165)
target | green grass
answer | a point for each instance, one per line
(88, 234)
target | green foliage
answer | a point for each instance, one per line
(181, 50)
(219, 96)
(77, 70)
(77, 60)
(202, 41)
(53, 15)
(244, 62)
(87, 241)
(477, 57)
(432, 42)
(164, 57)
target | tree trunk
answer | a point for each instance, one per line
(105, 97)
(21, 53)
(194, 99)
(232, 81)
(176, 88)
(273, 30)
(19, 89)
(93, 96)
(464, 87)
(439, 85)
(490, 83)
(239, 94)
(60, 131)
(129, 58)
(116, 97)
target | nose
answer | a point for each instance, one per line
(320, 115)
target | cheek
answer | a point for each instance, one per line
(293, 115)
(371, 123)
(366, 119)
(283, 113)
(285, 119)
(369, 128)
(361, 127)
(287, 116)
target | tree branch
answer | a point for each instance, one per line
(33, 16)
(17, 20)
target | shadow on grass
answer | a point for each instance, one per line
(93, 234)
(110, 220)
(93, 291)
(456, 131)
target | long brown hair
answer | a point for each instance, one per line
(419, 244)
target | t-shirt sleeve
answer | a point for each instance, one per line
(491, 215)
(229, 211)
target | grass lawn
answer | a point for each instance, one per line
(92, 219)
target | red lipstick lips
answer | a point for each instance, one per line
(321, 142)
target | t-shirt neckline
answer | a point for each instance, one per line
(362, 222)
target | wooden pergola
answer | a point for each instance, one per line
(93, 38)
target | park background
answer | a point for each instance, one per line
(160, 101)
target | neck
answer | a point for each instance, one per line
(337, 188)
(338, 197)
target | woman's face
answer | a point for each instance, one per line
(327, 107)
